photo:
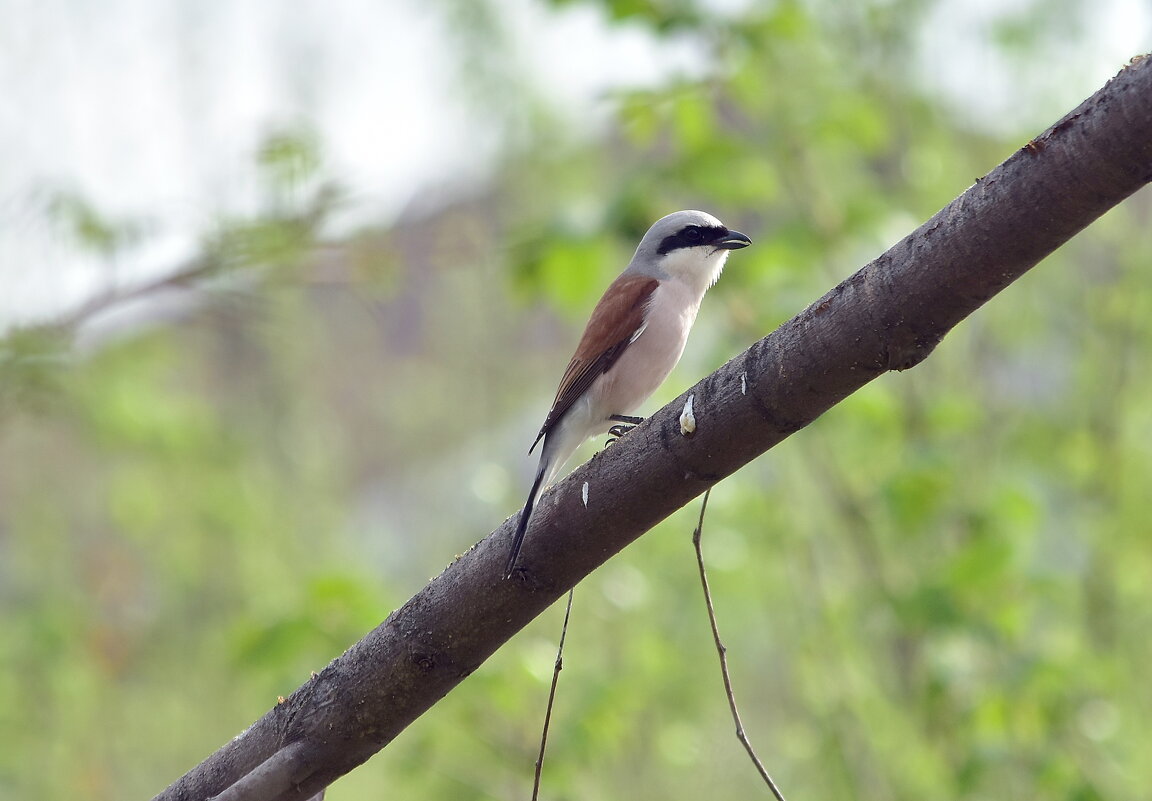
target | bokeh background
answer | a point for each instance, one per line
(285, 290)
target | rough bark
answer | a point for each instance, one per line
(888, 316)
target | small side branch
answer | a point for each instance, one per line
(552, 697)
(723, 653)
(276, 776)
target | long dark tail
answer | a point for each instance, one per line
(525, 516)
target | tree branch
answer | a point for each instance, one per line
(888, 316)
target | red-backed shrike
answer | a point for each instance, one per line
(632, 341)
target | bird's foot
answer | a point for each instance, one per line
(615, 432)
(625, 424)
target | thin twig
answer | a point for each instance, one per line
(723, 652)
(552, 697)
(181, 279)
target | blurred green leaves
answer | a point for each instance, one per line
(289, 158)
(33, 367)
(296, 200)
(88, 227)
(665, 16)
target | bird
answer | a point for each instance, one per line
(633, 339)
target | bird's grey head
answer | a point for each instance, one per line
(690, 245)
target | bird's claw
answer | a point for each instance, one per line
(615, 432)
(618, 431)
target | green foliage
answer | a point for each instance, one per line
(289, 157)
(33, 366)
(665, 16)
(87, 226)
(940, 589)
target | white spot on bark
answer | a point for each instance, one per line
(743, 383)
(688, 418)
(584, 494)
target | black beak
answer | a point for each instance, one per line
(733, 240)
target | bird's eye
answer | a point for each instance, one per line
(692, 234)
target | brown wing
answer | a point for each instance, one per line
(615, 323)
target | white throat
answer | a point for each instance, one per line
(699, 268)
